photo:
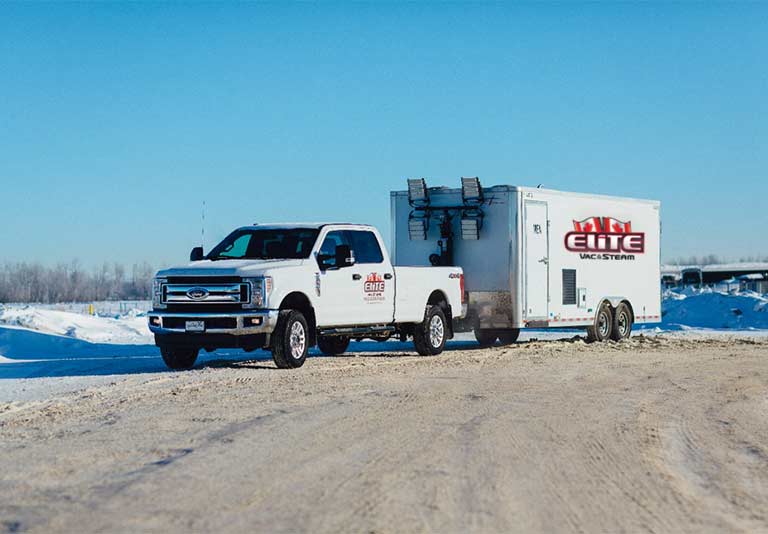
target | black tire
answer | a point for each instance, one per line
(508, 336)
(179, 358)
(622, 323)
(486, 338)
(603, 327)
(290, 323)
(429, 335)
(333, 345)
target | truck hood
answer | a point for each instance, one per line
(228, 267)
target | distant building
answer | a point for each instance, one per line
(729, 274)
(754, 282)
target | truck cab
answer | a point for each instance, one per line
(288, 287)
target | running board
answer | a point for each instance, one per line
(362, 331)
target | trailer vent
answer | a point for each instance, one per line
(569, 286)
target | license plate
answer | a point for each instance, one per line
(195, 326)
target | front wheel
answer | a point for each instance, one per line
(429, 335)
(290, 340)
(179, 358)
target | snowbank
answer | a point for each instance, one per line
(129, 328)
(706, 308)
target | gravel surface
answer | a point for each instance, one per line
(658, 434)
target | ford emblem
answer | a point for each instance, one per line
(197, 293)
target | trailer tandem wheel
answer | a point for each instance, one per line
(603, 327)
(486, 337)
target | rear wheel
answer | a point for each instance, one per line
(622, 323)
(333, 345)
(179, 358)
(485, 337)
(603, 327)
(290, 340)
(429, 336)
(509, 336)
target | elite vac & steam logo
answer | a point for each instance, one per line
(604, 238)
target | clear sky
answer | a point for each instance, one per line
(118, 120)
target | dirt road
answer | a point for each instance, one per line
(654, 435)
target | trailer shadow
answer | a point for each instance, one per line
(378, 349)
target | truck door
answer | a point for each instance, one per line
(363, 294)
(377, 286)
(536, 254)
(339, 290)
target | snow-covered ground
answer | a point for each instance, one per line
(75, 350)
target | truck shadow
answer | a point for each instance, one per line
(30, 354)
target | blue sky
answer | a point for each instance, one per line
(118, 120)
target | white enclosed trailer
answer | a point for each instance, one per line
(536, 258)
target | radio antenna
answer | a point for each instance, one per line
(202, 227)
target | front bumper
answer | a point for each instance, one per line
(242, 322)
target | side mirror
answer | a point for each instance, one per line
(344, 256)
(196, 254)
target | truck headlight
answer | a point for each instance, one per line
(157, 293)
(260, 289)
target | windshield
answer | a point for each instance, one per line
(255, 244)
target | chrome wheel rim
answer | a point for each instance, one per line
(297, 340)
(623, 323)
(436, 331)
(602, 324)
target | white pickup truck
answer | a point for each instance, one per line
(288, 287)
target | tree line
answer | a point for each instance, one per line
(33, 282)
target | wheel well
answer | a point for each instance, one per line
(614, 303)
(300, 302)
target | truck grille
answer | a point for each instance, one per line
(203, 308)
(191, 294)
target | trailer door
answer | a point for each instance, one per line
(536, 255)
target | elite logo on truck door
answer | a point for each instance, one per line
(374, 288)
(605, 238)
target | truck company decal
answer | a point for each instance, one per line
(374, 287)
(604, 238)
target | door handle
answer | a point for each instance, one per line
(387, 276)
(545, 261)
(356, 277)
